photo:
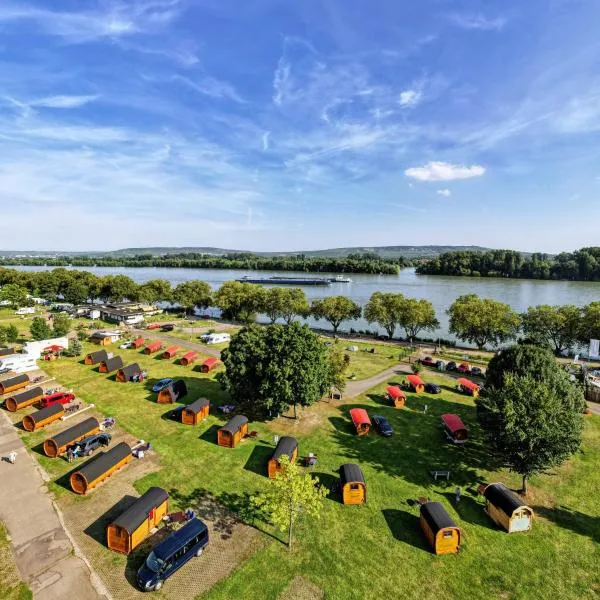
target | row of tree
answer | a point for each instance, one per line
(581, 265)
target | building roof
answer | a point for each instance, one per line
(103, 462)
(44, 413)
(105, 334)
(179, 537)
(138, 512)
(285, 445)
(72, 433)
(435, 514)
(395, 392)
(99, 356)
(453, 422)
(209, 362)
(28, 394)
(470, 385)
(351, 473)
(153, 346)
(6, 383)
(171, 350)
(197, 405)
(359, 416)
(177, 389)
(234, 424)
(7, 351)
(130, 370)
(114, 363)
(503, 498)
(415, 380)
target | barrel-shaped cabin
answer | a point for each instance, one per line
(170, 352)
(43, 417)
(439, 529)
(352, 484)
(230, 435)
(172, 393)
(112, 364)
(188, 358)
(360, 420)
(58, 444)
(196, 412)
(128, 373)
(12, 384)
(468, 387)
(138, 343)
(506, 509)
(100, 468)
(24, 399)
(95, 358)
(133, 525)
(209, 364)
(286, 445)
(7, 351)
(396, 396)
(415, 383)
(456, 431)
(153, 347)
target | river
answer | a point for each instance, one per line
(439, 290)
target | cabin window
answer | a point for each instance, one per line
(354, 487)
(447, 535)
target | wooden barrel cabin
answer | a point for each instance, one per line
(138, 343)
(128, 372)
(440, 530)
(94, 358)
(24, 399)
(209, 364)
(172, 393)
(360, 420)
(43, 417)
(286, 445)
(352, 484)
(188, 358)
(58, 444)
(195, 412)
(468, 387)
(132, 526)
(100, 468)
(415, 383)
(170, 352)
(230, 435)
(456, 431)
(152, 347)
(396, 396)
(112, 364)
(12, 384)
(7, 351)
(506, 509)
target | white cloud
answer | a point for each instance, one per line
(446, 193)
(478, 21)
(63, 101)
(280, 80)
(410, 97)
(442, 171)
(209, 86)
(265, 140)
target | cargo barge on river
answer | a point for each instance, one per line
(323, 281)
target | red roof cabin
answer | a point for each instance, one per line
(361, 420)
(456, 431)
(170, 352)
(396, 395)
(153, 347)
(188, 358)
(466, 386)
(416, 384)
(209, 364)
(137, 343)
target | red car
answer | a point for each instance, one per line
(464, 368)
(428, 361)
(153, 326)
(57, 398)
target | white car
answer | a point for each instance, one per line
(125, 346)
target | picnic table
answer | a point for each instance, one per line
(444, 473)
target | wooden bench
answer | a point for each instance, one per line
(441, 473)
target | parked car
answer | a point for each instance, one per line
(382, 425)
(56, 398)
(464, 368)
(161, 384)
(477, 371)
(440, 365)
(451, 366)
(167, 327)
(87, 445)
(153, 326)
(126, 345)
(428, 361)
(432, 388)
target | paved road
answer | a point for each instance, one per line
(356, 388)
(175, 341)
(44, 552)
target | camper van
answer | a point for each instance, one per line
(25, 310)
(19, 363)
(215, 338)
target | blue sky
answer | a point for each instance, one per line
(280, 125)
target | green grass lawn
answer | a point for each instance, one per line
(364, 364)
(373, 551)
(10, 587)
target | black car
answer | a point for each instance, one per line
(383, 426)
(477, 371)
(87, 445)
(432, 388)
(167, 327)
(451, 366)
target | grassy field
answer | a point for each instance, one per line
(10, 586)
(363, 364)
(376, 550)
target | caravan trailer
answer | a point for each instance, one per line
(19, 363)
(215, 338)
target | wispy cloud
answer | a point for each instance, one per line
(442, 171)
(265, 140)
(446, 193)
(280, 80)
(210, 86)
(478, 21)
(63, 101)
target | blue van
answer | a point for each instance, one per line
(171, 554)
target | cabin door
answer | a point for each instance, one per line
(520, 522)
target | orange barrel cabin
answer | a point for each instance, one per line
(506, 509)
(12, 384)
(396, 396)
(112, 364)
(416, 384)
(94, 358)
(209, 364)
(440, 530)
(58, 444)
(128, 373)
(361, 420)
(43, 417)
(170, 352)
(286, 445)
(196, 412)
(230, 435)
(7, 351)
(137, 343)
(188, 358)
(152, 347)
(352, 484)
(466, 386)
(456, 431)
(26, 398)
(172, 393)
(132, 526)
(100, 468)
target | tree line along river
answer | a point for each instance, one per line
(441, 291)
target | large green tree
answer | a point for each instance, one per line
(335, 310)
(40, 330)
(590, 323)
(10, 333)
(417, 315)
(240, 301)
(61, 324)
(15, 294)
(269, 369)
(190, 294)
(156, 290)
(555, 325)
(285, 303)
(76, 292)
(118, 288)
(482, 321)
(384, 308)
